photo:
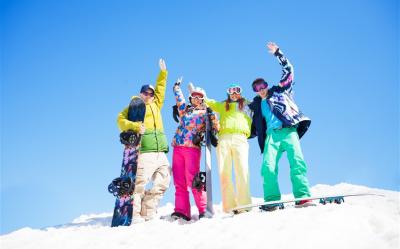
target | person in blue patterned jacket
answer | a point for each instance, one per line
(279, 124)
(187, 149)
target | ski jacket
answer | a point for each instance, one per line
(233, 121)
(192, 122)
(154, 139)
(280, 100)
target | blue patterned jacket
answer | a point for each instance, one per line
(281, 102)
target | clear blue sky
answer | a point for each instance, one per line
(69, 67)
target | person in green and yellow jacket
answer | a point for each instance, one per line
(235, 128)
(152, 164)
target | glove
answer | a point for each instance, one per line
(178, 82)
(213, 139)
(175, 113)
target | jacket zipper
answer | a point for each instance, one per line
(155, 127)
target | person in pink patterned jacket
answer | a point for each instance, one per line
(187, 150)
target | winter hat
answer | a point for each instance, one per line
(193, 89)
(147, 87)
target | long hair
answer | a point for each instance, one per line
(240, 101)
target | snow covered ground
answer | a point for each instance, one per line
(361, 222)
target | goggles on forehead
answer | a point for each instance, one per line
(259, 87)
(235, 89)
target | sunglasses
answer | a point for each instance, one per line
(233, 90)
(151, 94)
(260, 87)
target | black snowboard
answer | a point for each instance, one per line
(124, 203)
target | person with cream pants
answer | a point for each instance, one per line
(233, 148)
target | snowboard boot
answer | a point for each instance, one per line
(206, 215)
(271, 207)
(241, 211)
(304, 203)
(177, 216)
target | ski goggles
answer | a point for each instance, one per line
(258, 87)
(197, 96)
(233, 90)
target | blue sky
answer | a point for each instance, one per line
(69, 67)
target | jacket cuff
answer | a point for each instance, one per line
(278, 52)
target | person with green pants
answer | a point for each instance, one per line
(279, 124)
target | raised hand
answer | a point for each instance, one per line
(163, 67)
(272, 47)
(178, 82)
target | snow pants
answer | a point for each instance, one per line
(185, 165)
(233, 148)
(152, 166)
(278, 141)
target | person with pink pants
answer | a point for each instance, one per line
(187, 151)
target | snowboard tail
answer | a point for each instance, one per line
(124, 203)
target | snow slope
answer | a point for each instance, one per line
(361, 222)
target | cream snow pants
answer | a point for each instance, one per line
(233, 148)
(152, 166)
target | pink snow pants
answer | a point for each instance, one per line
(185, 165)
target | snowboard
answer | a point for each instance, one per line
(123, 208)
(338, 199)
(209, 208)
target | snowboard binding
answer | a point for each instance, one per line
(199, 181)
(130, 138)
(334, 199)
(271, 207)
(121, 186)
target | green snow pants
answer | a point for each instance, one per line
(278, 141)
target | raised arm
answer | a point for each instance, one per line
(159, 93)
(179, 97)
(215, 105)
(287, 68)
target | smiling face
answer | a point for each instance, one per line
(147, 96)
(234, 92)
(261, 89)
(196, 99)
(235, 96)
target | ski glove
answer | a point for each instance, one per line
(175, 113)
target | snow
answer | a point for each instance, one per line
(361, 222)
